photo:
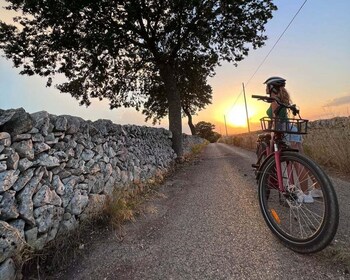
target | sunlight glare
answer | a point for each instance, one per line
(237, 116)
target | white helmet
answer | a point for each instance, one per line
(274, 84)
(275, 81)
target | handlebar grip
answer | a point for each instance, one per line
(258, 96)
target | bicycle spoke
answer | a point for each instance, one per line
(289, 212)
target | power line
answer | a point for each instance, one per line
(279, 38)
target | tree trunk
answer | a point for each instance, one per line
(190, 123)
(174, 102)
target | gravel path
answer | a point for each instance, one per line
(208, 226)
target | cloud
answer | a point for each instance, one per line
(338, 101)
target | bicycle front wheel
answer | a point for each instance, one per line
(304, 223)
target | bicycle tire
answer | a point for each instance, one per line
(311, 226)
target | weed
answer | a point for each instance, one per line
(196, 149)
(60, 252)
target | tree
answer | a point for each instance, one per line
(206, 131)
(112, 49)
(195, 93)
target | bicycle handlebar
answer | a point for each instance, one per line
(270, 99)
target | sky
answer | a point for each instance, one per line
(313, 55)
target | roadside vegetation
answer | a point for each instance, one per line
(328, 143)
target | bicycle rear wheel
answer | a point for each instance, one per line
(301, 226)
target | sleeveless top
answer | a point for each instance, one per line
(281, 113)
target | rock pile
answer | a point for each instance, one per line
(56, 171)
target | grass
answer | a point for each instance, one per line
(196, 149)
(58, 253)
(329, 147)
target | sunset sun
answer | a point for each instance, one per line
(237, 116)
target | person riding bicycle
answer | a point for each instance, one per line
(275, 87)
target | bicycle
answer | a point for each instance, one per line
(284, 175)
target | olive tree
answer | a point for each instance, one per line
(112, 49)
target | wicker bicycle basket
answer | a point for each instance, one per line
(290, 126)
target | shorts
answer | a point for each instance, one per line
(293, 137)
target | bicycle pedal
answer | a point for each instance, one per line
(255, 165)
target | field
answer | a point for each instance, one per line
(327, 142)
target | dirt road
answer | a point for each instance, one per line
(207, 225)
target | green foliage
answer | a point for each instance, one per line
(118, 50)
(192, 84)
(206, 131)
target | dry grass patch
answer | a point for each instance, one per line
(60, 252)
(329, 147)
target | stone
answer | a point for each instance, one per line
(87, 155)
(67, 216)
(41, 121)
(23, 179)
(68, 195)
(98, 185)
(8, 270)
(24, 198)
(94, 168)
(18, 224)
(24, 149)
(73, 124)
(21, 137)
(24, 164)
(73, 163)
(62, 156)
(8, 206)
(47, 161)
(13, 160)
(3, 166)
(15, 121)
(59, 169)
(35, 241)
(78, 202)
(7, 179)
(46, 196)
(61, 123)
(78, 150)
(40, 147)
(5, 139)
(46, 216)
(34, 130)
(10, 241)
(58, 185)
(38, 138)
(50, 139)
(109, 186)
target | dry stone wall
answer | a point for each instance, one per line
(56, 171)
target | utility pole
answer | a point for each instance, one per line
(246, 110)
(225, 125)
